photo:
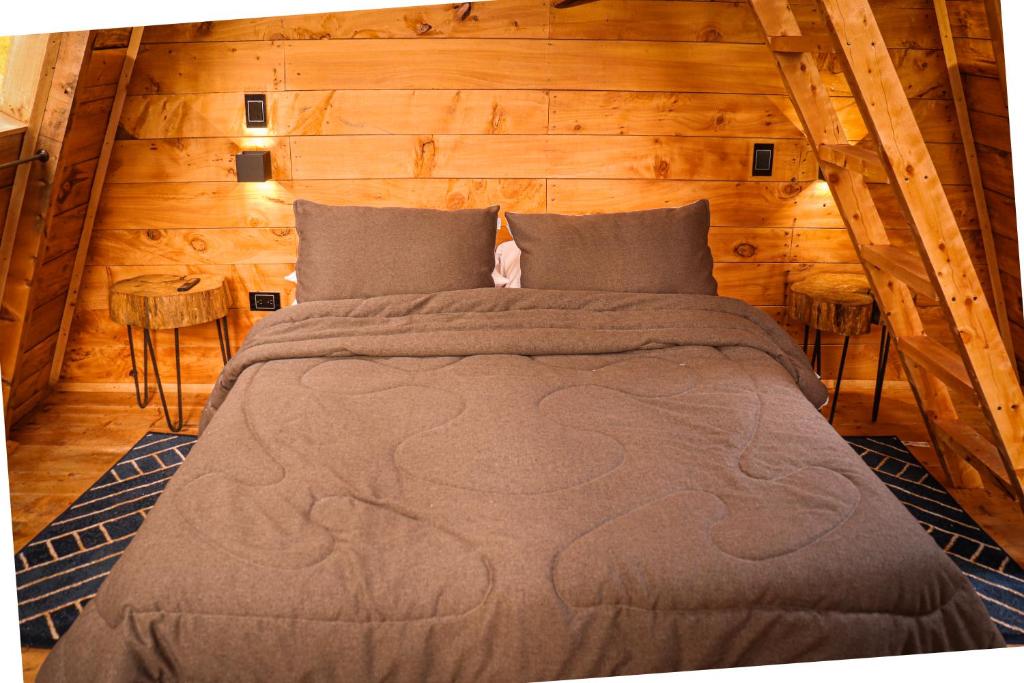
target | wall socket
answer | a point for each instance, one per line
(264, 301)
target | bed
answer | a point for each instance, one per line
(511, 485)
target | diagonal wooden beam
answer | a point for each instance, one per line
(28, 146)
(95, 195)
(886, 110)
(822, 126)
(963, 116)
(17, 306)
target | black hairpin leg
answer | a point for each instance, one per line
(816, 353)
(148, 344)
(807, 332)
(141, 398)
(883, 360)
(223, 338)
(839, 378)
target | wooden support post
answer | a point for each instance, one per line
(94, 201)
(40, 82)
(886, 111)
(21, 288)
(963, 117)
(822, 126)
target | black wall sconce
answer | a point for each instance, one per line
(253, 166)
(764, 159)
(256, 111)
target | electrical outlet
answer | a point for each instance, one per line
(264, 301)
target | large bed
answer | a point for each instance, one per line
(509, 485)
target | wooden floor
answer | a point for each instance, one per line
(74, 437)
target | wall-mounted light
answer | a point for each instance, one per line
(256, 111)
(253, 166)
(764, 159)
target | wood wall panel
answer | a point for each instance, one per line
(214, 67)
(991, 130)
(976, 57)
(478, 63)
(721, 115)
(260, 246)
(340, 112)
(731, 22)
(614, 105)
(765, 204)
(985, 95)
(550, 156)
(191, 160)
(996, 169)
(219, 205)
(560, 64)
(508, 18)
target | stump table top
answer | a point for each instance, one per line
(841, 303)
(154, 302)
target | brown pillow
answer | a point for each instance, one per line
(355, 252)
(664, 251)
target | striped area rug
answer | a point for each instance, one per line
(995, 576)
(61, 569)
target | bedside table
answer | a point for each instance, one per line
(841, 304)
(154, 302)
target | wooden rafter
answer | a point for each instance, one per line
(41, 84)
(939, 266)
(56, 91)
(963, 116)
(95, 195)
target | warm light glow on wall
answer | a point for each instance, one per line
(5, 50)
(259, 143)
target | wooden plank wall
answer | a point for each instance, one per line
(52, 219)
(614, 105)
(986, 99)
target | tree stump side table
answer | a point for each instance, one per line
(157, 302)
(839, 303)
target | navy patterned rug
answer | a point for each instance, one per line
(61, 569)
(995, 576)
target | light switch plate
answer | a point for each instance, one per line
(764, 159)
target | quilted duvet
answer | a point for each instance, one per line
(510, 485)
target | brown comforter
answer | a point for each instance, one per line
(517, 485)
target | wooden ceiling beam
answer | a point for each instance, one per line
(963, 116)
(95, 194)
(66, 58)
(37, 81)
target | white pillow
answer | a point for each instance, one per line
(292, 277)
(506, 265)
